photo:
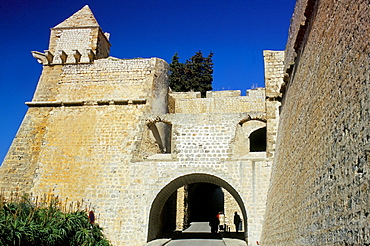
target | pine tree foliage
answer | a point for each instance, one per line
(193, 75)
(25, 223)
(177, 74)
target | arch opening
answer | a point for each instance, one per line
(257, 140)
(205, 197)
(205, 200)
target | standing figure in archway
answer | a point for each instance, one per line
(237, 221)
(214, 222)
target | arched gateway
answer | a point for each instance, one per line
(89, 135)
(159, 202)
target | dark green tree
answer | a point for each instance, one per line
(193, 75)
(177, 74)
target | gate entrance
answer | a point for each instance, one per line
(197, 202)
(191, 198)
(204, 202)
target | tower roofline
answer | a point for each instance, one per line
(82, 18)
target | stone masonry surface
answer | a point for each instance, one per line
(319, 192)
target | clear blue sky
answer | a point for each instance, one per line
(237, 31)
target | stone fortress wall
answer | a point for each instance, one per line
(107, 131)
(217, 101)
(319, 192)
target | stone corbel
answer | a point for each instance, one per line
(60, 57)
(152, 120)
(49, 56)
(107, 35)
(88, 56)
(76, 55)
(41, 57)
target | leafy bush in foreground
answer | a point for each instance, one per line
(23, 222)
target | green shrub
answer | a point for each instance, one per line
(24, 223)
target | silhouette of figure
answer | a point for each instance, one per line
(214, 222)
(237, 221)
(221, 218)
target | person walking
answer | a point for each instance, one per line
(214, 222)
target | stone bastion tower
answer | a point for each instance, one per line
(147, 161)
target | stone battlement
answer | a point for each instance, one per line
(228, 101)
(106, 81)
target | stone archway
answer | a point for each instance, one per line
(154, 228)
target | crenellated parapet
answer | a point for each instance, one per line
(228, 101)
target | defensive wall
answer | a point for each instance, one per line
(108, 131)
(319, 193)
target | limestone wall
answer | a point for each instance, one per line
(217, 101)
(86, 124)
(319, 187)
(274, 74)
(83, 130)
(85, 152)
(296, 31)
(65, 122)
(104, 81)
(205, 144)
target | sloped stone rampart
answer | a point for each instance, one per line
(320, 181)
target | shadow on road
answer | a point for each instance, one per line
(238, 235)
(201, 230)
(197, 235)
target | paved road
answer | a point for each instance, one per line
(196, 242)
(198, 227)
(198, 234)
